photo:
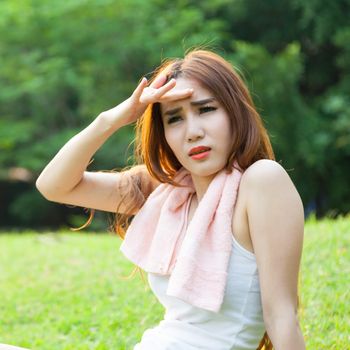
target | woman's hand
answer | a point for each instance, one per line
(144, 95)
(156, 92)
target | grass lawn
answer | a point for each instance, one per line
(63, 291)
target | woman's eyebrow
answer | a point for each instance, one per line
(202, 102)
(173, 111)
(193, 103)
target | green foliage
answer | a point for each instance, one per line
(65, 62)
(64, 291)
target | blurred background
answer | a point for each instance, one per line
(63, 62)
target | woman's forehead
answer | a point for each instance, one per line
(199, 93)
(186, 83)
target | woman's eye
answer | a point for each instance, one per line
(206, 109)
(173, 119)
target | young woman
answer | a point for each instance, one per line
(218, 223)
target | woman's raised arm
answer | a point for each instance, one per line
(65, 179)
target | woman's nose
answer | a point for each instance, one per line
(194, 130)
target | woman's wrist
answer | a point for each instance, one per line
(123, 114)
(107, 123)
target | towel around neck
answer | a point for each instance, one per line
(195, 256)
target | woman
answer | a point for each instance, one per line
(218, 223)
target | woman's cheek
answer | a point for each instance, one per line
(171, 140)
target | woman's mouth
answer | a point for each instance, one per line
(199, 152)
(200, 155)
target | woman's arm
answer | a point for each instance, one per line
(65, 179)
(276, 223)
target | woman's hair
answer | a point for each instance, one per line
(250, 141)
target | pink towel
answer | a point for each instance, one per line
(196, 256)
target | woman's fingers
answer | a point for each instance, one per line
(159, 81)
(151, 94)
(165, 88)
(139, 89)
(176, 95)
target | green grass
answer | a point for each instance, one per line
(63, 291)
(325, 283)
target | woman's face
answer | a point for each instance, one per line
(197, 121)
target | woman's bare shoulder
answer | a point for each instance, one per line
(264, 167)
(267, 179)
(264, 172)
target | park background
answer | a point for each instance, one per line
(62, 63)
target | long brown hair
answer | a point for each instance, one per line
(250, 141)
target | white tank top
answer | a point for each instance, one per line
(239, 324)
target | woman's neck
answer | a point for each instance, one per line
(201, 184)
